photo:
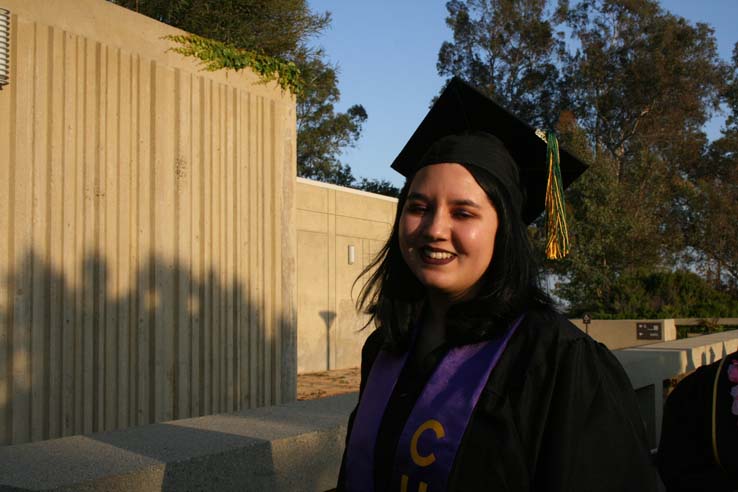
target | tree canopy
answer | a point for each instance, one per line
(629, 87)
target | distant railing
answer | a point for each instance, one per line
(701, 321)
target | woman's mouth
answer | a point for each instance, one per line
(436, 257)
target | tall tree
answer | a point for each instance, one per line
(713, 199)
(508, 48)
(631, 90)
(642, 84)
(279, 28)
(323, 133)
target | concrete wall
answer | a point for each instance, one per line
(621, 333)
(330, 219)
(147, 254)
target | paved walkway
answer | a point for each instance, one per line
(314, 385)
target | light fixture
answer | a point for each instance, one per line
(351, 254)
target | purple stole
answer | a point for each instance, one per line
(433, 431)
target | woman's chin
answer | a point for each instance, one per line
(435, 282)
(441, 289)
(444, 289)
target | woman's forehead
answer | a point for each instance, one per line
(448, 179)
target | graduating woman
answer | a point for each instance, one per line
(471, 380)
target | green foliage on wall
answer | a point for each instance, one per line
(217, 55)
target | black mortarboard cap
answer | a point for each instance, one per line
(467, 127)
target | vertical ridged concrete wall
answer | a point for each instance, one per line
(147, 253)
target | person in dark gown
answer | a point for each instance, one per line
(471, 380)
(698, 450)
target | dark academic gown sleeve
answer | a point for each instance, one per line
(686, 459)
(557, 414)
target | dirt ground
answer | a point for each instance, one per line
(313, 385)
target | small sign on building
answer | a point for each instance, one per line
(648, 331)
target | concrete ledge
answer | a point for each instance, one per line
(294, 447)
(649, 366)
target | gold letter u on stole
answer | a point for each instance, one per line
(422, 486)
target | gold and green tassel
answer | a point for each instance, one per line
(557, 244)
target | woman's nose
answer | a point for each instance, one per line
(436, 225)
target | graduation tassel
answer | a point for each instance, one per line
(557, 245)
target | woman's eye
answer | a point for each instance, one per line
(415, 208)
(463, 214)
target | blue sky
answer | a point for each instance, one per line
(387, 52)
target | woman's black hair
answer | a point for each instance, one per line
(394, 297)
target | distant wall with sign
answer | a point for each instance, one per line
(624, 333)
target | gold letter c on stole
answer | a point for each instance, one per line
(437, 428)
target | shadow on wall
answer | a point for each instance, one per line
(328, 318)
(91, 350)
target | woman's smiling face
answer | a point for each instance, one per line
(447, 230)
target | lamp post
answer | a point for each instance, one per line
(586, 319)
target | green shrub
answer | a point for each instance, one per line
(657, 295)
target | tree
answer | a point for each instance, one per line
(279, 28)
(507, 48)
(321, 132)
(711, 223)
(379, 186)
(274, 27)
(643, 82)
(714, 227)
(663, 294)
(630, 92)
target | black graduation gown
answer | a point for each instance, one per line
(558, 413)
(686, 459)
